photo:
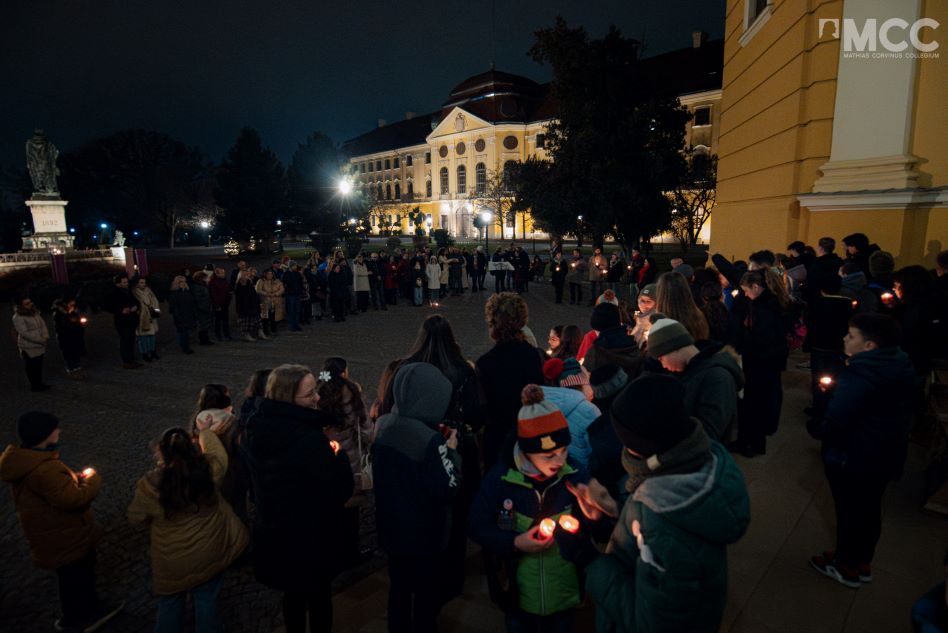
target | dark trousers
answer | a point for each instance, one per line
(858, 501)
(293, 311)
(823, 363)
(479, 277)
(362, 300)
(595, 289)
(760, 410)
(337, 303)
(34, 370)
(575, 293)
(77, 595)
(318, 604)
(413, 597)
(184, 340)
(558, 293)
(375, 294)
(498, 282)
(221, 323)
(521, 622)
(127, 344)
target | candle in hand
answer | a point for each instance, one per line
(83, 320)
(569, 523)
(334, 445)
(826, 381)
(735, 292)
(88, 472)
(546, 528)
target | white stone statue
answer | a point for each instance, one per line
(119, 238)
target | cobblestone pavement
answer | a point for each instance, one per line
(109, 419)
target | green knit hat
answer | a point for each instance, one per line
(667, 335)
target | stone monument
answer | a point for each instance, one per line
(47, 207)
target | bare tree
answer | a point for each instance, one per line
(695, 198)
(494, 196)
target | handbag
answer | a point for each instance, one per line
(363, 478)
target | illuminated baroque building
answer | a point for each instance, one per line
(833, 123)
(436, 160)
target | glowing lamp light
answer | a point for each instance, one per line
(569, 523)
(345, 186)
(546, 528)
(72, 230)
(103, 226)
(334, 445)
(205, 224)
(88, 472)
(826, 381)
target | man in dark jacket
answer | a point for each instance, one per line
(865, 442)
(826, 265)
(221, 294)
(827, 321)
(855, 287)
(124, 307)
(858, 250)
(417, 475)
(711, 376)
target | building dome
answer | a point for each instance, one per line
(495, 96)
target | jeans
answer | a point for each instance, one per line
(419, 295)
(146, 343)
(413, 594)
(171, 609)
(293, 311)
(34, 369)
(77, 590)
(375, 294)
(521, 622)
(222, 322)
(858, 501)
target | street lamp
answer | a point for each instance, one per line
(345, 186)
(486, 218)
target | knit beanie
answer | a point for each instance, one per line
(35, 426)
(649, 415)
(541, 426)
(605, 316)
(881, 263)
(649, 291)
(565, 373)
(607, 380)
(686, 270)
(667, 335)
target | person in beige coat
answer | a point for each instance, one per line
(195, 534)
(270, 291)
(31, 338)
(148, 312)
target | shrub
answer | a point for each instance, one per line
(442, 238)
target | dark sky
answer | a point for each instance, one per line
(201, 69)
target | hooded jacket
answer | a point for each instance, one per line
(855, 287)
(667, 570)
(31, 332)
(300, 489)
(416, 475)
(53, 505)
(712, 380)
(580, 413)
(190, 548)
(865, 427)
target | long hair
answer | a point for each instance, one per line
(506, 313)
(674, 299)
(284, 381)
(213, 396)
(436, 345)
(258, 383)
(570, 341)
(342, 399)
(185, 483)
(336, 366)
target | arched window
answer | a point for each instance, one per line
(480, 178)
(462, 179)
(428, 189)
(444, 180)
(699, 160)
(398, 191)
(510, 168)
(388, 191)
(410, 191)
(378, 191)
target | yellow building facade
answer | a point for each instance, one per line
(437, 160)
(833, 122)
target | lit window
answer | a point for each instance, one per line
(428, 189)
(462, 179)
(444, 180)
(480, 178)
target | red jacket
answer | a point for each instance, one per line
(220, 292)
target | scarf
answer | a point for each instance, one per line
(523, 464)
(685, 457)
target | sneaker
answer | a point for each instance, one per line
(865, 572)
(838, 572)
(249, 338)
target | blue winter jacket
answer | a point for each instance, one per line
(580, 413)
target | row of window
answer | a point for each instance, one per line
(389, 163)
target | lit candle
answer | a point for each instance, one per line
(826, 381)
(735, 292)
(573, 265)
(334, 445)
(887, 296)
(569, 523)
(83, 320)
(88, 472)
(855, 304)
(546, 528)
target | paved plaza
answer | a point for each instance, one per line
(109, 419)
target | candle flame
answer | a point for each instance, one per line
(546, 527)
(569, 523)
(334, 445)
(88, 472)
(826, 380)
(735, 292)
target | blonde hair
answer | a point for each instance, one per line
(673, 298)
(506, 313)
(284, 381)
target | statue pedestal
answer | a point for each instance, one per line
(49, 225)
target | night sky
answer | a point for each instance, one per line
(199, 70)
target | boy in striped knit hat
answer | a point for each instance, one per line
(532, 514)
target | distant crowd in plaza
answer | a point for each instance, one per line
(597, 467)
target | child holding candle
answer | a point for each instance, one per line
(53, 506)
(533, 481)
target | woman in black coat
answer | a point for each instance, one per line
(247, 304)
(184, 311)
(758, 331)
(300, 487)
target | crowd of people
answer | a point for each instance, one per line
(599, 466)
